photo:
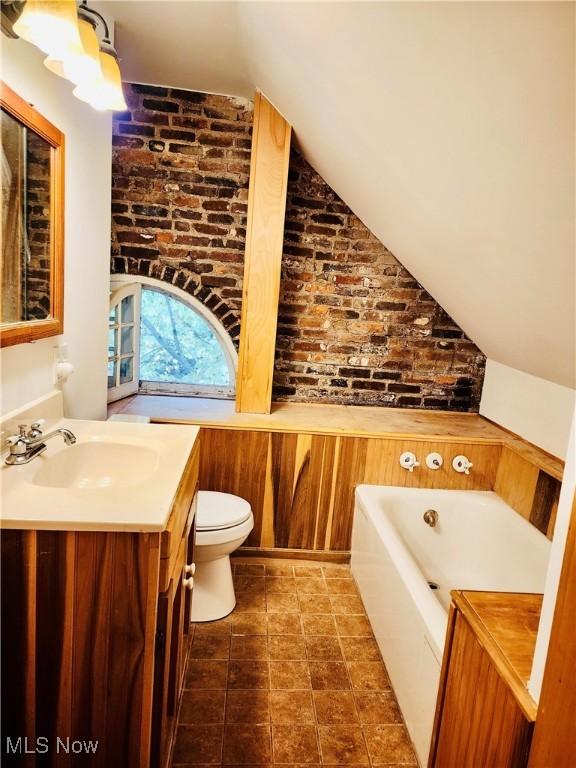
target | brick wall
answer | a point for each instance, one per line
(37, 268)
(354, 326)
(181, 163)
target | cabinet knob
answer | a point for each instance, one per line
(190, 569)
(188, 582)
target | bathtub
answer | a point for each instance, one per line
(479, 542)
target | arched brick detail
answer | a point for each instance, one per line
(184, 279)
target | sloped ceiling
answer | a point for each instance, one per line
(447, 127)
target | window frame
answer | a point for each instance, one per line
(118, 285)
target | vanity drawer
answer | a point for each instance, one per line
(181, 518)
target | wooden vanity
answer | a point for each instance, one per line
(484, 713)
(95, 629)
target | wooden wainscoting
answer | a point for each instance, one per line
(301, 486)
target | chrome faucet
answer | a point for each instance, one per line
(430, 517)
(32, 442)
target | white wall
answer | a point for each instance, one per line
(554, 567)
(536, 409)
(27, 369)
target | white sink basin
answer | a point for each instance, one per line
(118, 476)
(98, 465)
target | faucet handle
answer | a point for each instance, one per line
(36, 428)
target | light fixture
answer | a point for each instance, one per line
(68, 35)
(104, 92)
(80, 67)
(51, 26)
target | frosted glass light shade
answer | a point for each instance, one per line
(79, 68)
(106, 91)
(51, 25)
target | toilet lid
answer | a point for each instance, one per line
(217, 511)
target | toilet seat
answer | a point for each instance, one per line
(220, 511)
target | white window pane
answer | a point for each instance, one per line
(127, 340)
(128, 309)
(112, 341)
(111, 373)
(126, 370)
(178, 345)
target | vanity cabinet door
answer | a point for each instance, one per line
(172, 646)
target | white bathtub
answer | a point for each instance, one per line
(479, 543)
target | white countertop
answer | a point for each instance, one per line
(146, 465)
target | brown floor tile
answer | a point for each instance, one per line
(254, 584)
(198, 744)
(322, 648)
(220, 627)
(361, 649)
(349, 604)
(318, 624)
(250, 602)
(335, 707)
(284, 624)
(279, 569)
(308, 571)
(247, 744)
(283, 584)
(281, 603)
(210, 647)
(368, 676)
(315, 603)
(329, 675)
(311, 586)
(206, 675)
(378, 708)
(202, 708)
(353, 626)
(252, 675)
(291, 707)
(336, 571)
(247, 707)
(249, 647)
(342, 587)
(389, 745)
(342, 745)
(289, 647)
(295, 744)
(248, 569)
(249, 624)
(289, 675)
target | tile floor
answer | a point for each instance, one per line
(292, 677)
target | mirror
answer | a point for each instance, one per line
(32, 273)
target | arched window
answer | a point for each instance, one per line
(160, 339)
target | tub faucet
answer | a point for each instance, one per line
(430, 517)
(31, 443)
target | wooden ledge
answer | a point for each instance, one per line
(317, 418)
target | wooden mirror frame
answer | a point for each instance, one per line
(18, 333)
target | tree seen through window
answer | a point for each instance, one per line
(177, 344)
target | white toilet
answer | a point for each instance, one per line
(223, 522)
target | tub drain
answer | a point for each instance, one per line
(433, 585)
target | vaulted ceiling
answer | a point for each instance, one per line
(447, 127)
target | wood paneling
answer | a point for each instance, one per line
(480, 722)
(555, 734)
(528, 488)
(516, 481)
(301, 486)
(263, 260)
